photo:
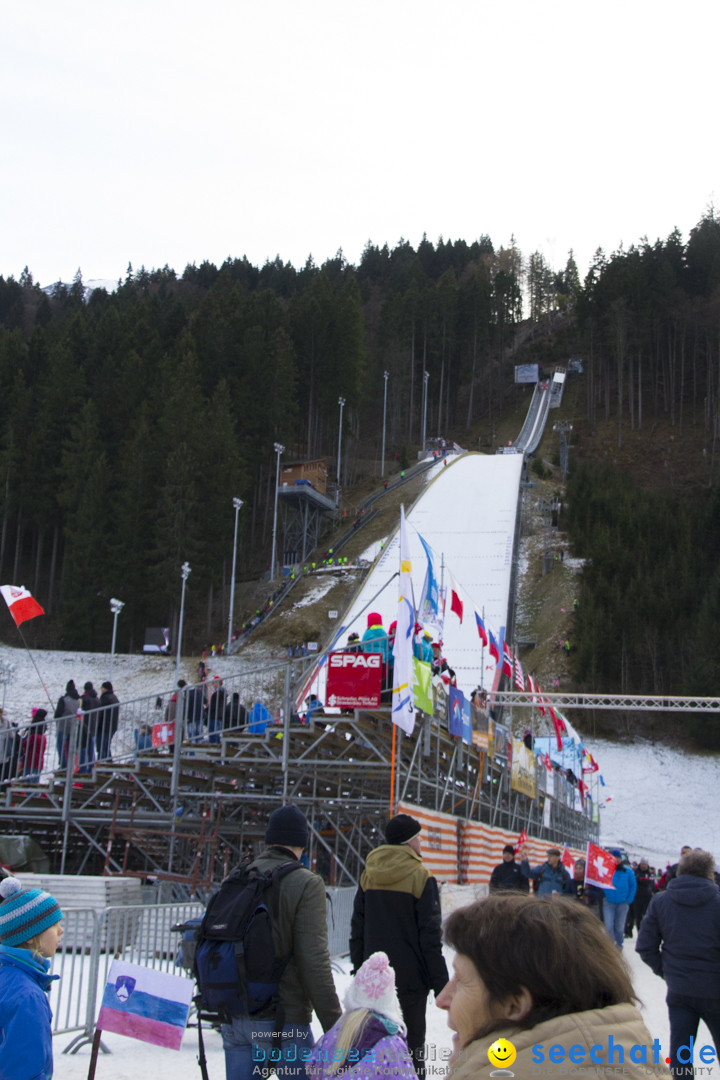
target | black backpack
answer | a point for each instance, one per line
(235, 965)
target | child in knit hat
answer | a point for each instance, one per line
(30, 933)
(369, 1039)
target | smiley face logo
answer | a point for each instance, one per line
(502, 1053)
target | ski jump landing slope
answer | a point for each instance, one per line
(467, 516)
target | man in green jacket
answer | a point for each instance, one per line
(299, 931)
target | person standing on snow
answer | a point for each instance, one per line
(397, 911)
(680, 940)
(507, 874)
(618, 899)
(552, 877)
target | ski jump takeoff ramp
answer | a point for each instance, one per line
(467, 516)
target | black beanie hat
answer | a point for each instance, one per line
(288, 827)
(401, 828)
(510, 848)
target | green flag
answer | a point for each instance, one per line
(422, 696)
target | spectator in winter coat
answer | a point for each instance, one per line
(375, 639)
(89, 703)
(552, 877)
(671, 871)
(507, 874)
(646, 889)
(235, 713)
(107, 721)
(619, 898)
(543, 975)
(369, 1038)
(194, 712)
(680, 940)
(30, 933)
(307, 981)
(66, 715)
(8, 738)
(397, 911)
(33, 746)
(216, 710)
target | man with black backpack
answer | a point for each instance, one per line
(292, 904)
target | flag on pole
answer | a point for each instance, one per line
(522, 839)
(559, 725)
(145, 1004)
(481, 629)
(599, 867)
(430, 597)
(403, 712)
(493, 647)
(456, 603)
(519, 675)
(21, 604)
(567, 860)
(507, 660)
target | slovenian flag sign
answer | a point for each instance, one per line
(21, 604)
(145, 1004)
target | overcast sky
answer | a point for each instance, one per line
(158, 132)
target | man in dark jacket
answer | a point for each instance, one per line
(397, 911)
(679, 938)
(507, 874)
(66, 715)
(307, 983)
(107, 723)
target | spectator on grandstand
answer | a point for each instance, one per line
(33, 746)
(440, 665)
(108, 720)
(216, 710)
(235, 712)
(375, 639)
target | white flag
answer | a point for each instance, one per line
(403, 712)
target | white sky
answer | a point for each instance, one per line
(173, 131)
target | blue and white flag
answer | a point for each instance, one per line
(430, 596)
(403, 711)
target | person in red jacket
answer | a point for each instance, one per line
(34, 742)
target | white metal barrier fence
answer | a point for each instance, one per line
(142, 935)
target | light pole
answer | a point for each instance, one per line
(116, 607)
(278, 450)
(382, 467)
(237, 503)
(341, 403)
(185, 571)
(426, 379)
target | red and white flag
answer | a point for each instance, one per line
(567, 860)
(522, 839)
(519, 675)
(507, 660)
(456, 603)
(21, 604)
(599, 867)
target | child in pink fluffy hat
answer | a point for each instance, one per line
(369, 1038)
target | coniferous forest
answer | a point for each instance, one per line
(132, 419)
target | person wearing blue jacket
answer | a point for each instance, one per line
(375, 638)
(30, 932)
(552, 877)
(619, 898)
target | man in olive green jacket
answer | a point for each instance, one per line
(299, 931)
(397, 911)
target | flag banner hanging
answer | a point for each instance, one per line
(481, 629)
(519, 675)
(430, 598)
(145, 1004)
(456, 604)
(507, 660)
(522, 839)
(422, 695)
(467, 729)
(493, 647)
(403, 713)
(599, 867)
(457, 699)
(21, 604)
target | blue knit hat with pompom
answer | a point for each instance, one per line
(25, 912)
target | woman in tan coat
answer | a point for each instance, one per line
(539, 989)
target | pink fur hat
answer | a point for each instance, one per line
(374, 988)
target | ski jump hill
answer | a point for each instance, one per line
(469, 517)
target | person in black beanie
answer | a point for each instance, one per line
(507, 874)
(397, 911)
(300, 930)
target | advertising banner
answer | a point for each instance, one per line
(522, 775)
(354, 680)
(526, 373)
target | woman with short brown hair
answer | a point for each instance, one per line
(544, 975)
